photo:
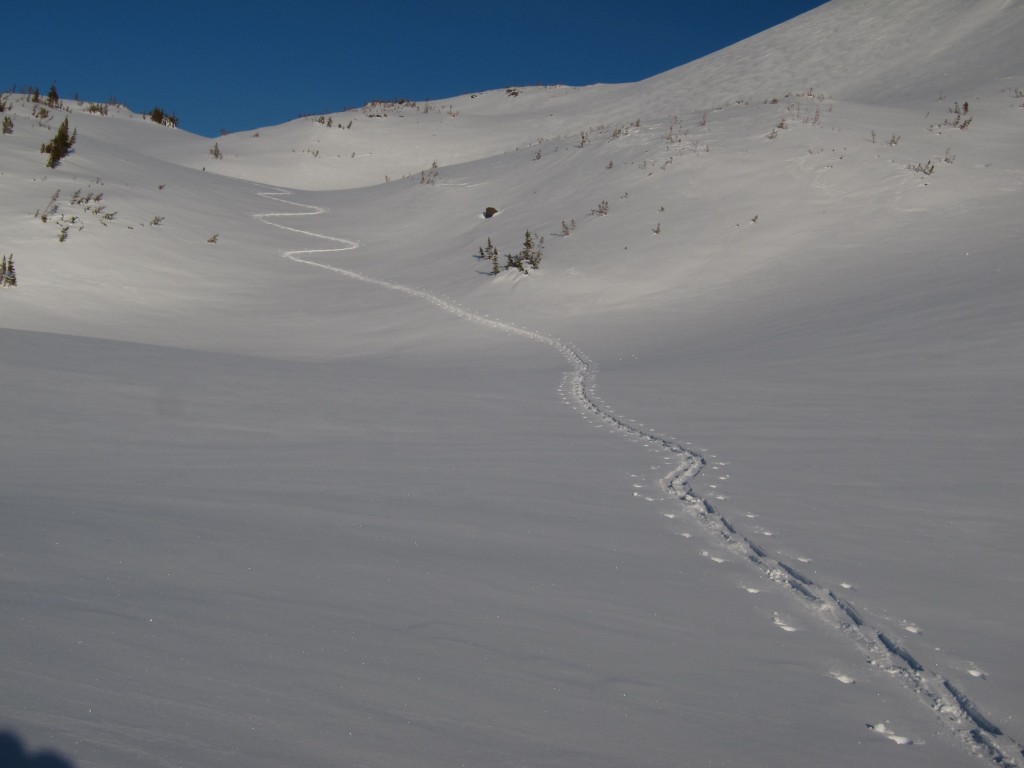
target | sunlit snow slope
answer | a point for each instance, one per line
(731, 479)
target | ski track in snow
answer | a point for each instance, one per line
(956, 710)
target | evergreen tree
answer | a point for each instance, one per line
(490, 253)
(8, 124)
(60, 145)
(7, 274)
(52, 99)
(532, 249)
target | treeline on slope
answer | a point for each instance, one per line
(52, 100)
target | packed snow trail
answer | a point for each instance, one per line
(979, 734)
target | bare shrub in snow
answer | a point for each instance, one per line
(927, 168)
(430, 176)
(50, 209)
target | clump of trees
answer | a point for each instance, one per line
(60, 145)
(529, 256)
(160, 117)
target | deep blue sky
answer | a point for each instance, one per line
(236, 66)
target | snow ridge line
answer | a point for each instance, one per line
(954, 709)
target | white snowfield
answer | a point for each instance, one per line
(732, 479)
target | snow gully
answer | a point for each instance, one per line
(980, 735)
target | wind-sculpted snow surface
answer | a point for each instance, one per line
(981, 734)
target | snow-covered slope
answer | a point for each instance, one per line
(749, 435)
